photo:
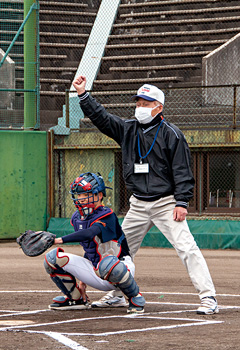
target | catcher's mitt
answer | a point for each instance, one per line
(34, 243)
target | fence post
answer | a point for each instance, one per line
(67, 107)
(50, 175)
(234, 106)
(30, 40)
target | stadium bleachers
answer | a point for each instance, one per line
(163, 43)
(64, 31)
(166, 34)
(160, 42)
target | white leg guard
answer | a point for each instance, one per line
(64, 280)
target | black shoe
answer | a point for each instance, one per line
(64, 303)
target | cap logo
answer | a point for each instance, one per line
(145, 89)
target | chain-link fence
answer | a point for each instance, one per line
(216, 192)
(19, 64)
(209, 118)
(217, 189)
(188, 108)
(181, 47)
(166, 43)
(188, 48)
(64, 32)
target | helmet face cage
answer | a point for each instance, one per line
(90, 184)
(87, 207)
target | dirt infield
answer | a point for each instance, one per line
(170, 321)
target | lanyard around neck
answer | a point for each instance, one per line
(139, 148)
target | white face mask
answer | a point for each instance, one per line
(144, 114)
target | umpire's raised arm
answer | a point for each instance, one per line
(108, 124)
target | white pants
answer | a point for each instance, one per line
(144, 215)
(83, 270)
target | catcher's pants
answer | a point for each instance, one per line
(83, 270)
(144, 215)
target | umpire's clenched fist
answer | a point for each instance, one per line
(79, 83)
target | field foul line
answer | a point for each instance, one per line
(95, 291)
(196, 323)
(71, 321)
(221, 307)
(66, 341)
(63, 337)
(136, 316)
(17, 313)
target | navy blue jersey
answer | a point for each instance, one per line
(100, 227)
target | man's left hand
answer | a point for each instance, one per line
(179, 213)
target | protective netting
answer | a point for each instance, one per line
(188, 48)
(19, 66)
(216, 172)
(188, 108)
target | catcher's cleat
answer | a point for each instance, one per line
(110, 300)
(136, 305)
(208, 306)
(64, 303)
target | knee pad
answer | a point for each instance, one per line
(106, 266)
(63, 280)
(115, 271)
(53, 262)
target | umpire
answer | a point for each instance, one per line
(156, 168)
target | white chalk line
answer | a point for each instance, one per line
(10, 311)
(66, 341)
(39, 311)
(195, 322)
(99, 291)
(180, 325)
(17, 313)
(136, 316)
(70, 321)
(62, 337)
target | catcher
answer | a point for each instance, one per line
(106, 265)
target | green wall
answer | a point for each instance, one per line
(23, 182)
(209, 234)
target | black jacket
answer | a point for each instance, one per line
(169, 159)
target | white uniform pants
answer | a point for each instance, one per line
(143, 215)
(83, 270)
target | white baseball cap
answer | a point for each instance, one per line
(150, 93)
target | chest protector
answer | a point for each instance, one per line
(110, 241)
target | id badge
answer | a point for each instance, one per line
(141, 168)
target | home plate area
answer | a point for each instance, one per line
(80, 328)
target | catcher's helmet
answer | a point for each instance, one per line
(87, 183)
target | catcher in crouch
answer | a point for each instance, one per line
(106, 265)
